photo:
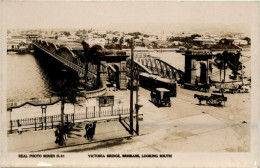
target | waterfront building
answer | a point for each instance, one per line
(240, 42)
(204, 41)
(18, 38)
(224, 44)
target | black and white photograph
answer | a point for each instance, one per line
(130, 83)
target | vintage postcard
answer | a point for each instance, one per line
(129, 84)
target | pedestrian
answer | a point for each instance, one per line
(94, 128)
(20, 129)
(90, 132)
(87, 128)
(66, 130)
(57, 135)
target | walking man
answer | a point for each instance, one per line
(57, 135)
(90, 132)
(20, 129)
(94, 128)
(87, 130)
(66, 130)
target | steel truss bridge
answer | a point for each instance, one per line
(153, 65)
(143, 62)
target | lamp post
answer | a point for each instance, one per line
(132, 81)
(137, 106)
(11, 124)
(44, 111)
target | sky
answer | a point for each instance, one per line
(129, 16)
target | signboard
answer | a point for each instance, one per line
(106, 101)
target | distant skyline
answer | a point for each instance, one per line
(131, 16)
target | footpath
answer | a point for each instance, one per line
(44, 140)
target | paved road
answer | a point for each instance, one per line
(183, 127)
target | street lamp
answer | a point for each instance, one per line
(44, 111)
(137, 106)
(132, 82)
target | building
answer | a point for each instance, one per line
(18, 38)
(198, 67)
(240, 42)
(204, 41)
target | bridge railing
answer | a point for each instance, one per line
(12, 103)
(51, 121)
(69, 63)
(96, 93)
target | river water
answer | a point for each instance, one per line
(26, 79)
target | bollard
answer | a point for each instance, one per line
(73, 118)
(11, 126)
(45, 122)
(51, 122)
(42, 123)
(18, 122)
(35, 124)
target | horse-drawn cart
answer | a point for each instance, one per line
(213, 99)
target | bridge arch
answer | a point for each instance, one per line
(40, 42)
(53, 48)
(67, 54)
(45, 44)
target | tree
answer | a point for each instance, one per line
(235, 64)
(248, 40)
(228, 60)
(66, 33)
(219, 64)
(92, 55)
(66, 85)
(114, 40)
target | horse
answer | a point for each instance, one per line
(202, 98)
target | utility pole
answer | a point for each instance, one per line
(132, 82)
(242, 71)
(137, 106)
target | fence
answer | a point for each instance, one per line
(50, 121)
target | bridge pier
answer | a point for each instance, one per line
(122, 75)
(103, 73)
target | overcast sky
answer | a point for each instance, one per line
(126, 15)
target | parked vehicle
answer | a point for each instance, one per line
(244, 89)
(213, 99)
(236, 87)
(161, 96)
